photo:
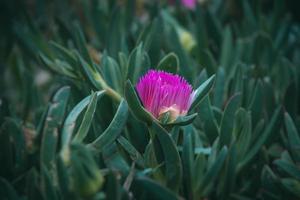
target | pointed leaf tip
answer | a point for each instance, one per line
(202, 91)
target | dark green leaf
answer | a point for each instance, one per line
(291, 185)
(293, 136)
(87, 119)
(202, 91)
(55, 116)
(169, 63)
(212, 172)
(227, 122)
(114, 129)
(289, 168)
(135, 105)
(70, 121)
(7, 191)
(171, 156)
(154, 190)
(131, 150)
(273, 124)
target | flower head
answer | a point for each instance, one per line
(162, 92)
(190, 4)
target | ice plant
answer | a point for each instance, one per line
(162, 92)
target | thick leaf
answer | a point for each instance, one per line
(70, 121)
(227, 50)
(213, 27)
(58, 66)
(219, 88)
(114, 129)
(291, 185)
(81, 44)
(131, 150)
(289, 168)
(87, 119)
(187, 163)
(55, 116)
(113, 187)
(135, 105)
(47, 187)
(208, 61)
(13, 147)
(64, 53)
(112, 73)
(171, 156)
(154, 190)
(138, 63)
(227, 122)
(7, 191)
(33, 185)
(202, 91)
(114, 159)
(169, 63)
(256, 105)
(123, 60)
(152, 40)
(115, 36)
(244, 137)
(92, 74)
(227, 184)
(273, 124)
(208, 119)
(293, 137)
(212, 172)
(85, 175)
(63, 177)
(199, 167)
(201, 32)
(268, 178)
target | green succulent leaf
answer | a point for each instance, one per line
(262, 139)
(114, 129)
(202, 91)
(291, 185)
(155, 190)
(70, 121)
(293, 136)
(212, 172)
(87, 119)
(135, 105)
(47, 185)
(169, 63)
(55, 116)
(81, 43)
(289, 168)
(7, 191)
(131, 150)
(138, 63)
(170, 155)
(227, 122)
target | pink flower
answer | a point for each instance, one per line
(191, 4)
(162, 92)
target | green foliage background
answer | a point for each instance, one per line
(72, 126)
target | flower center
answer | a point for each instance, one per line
(171, 112)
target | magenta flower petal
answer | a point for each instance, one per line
(161, 92)
(191, 4)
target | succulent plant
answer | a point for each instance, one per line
(133, 99)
